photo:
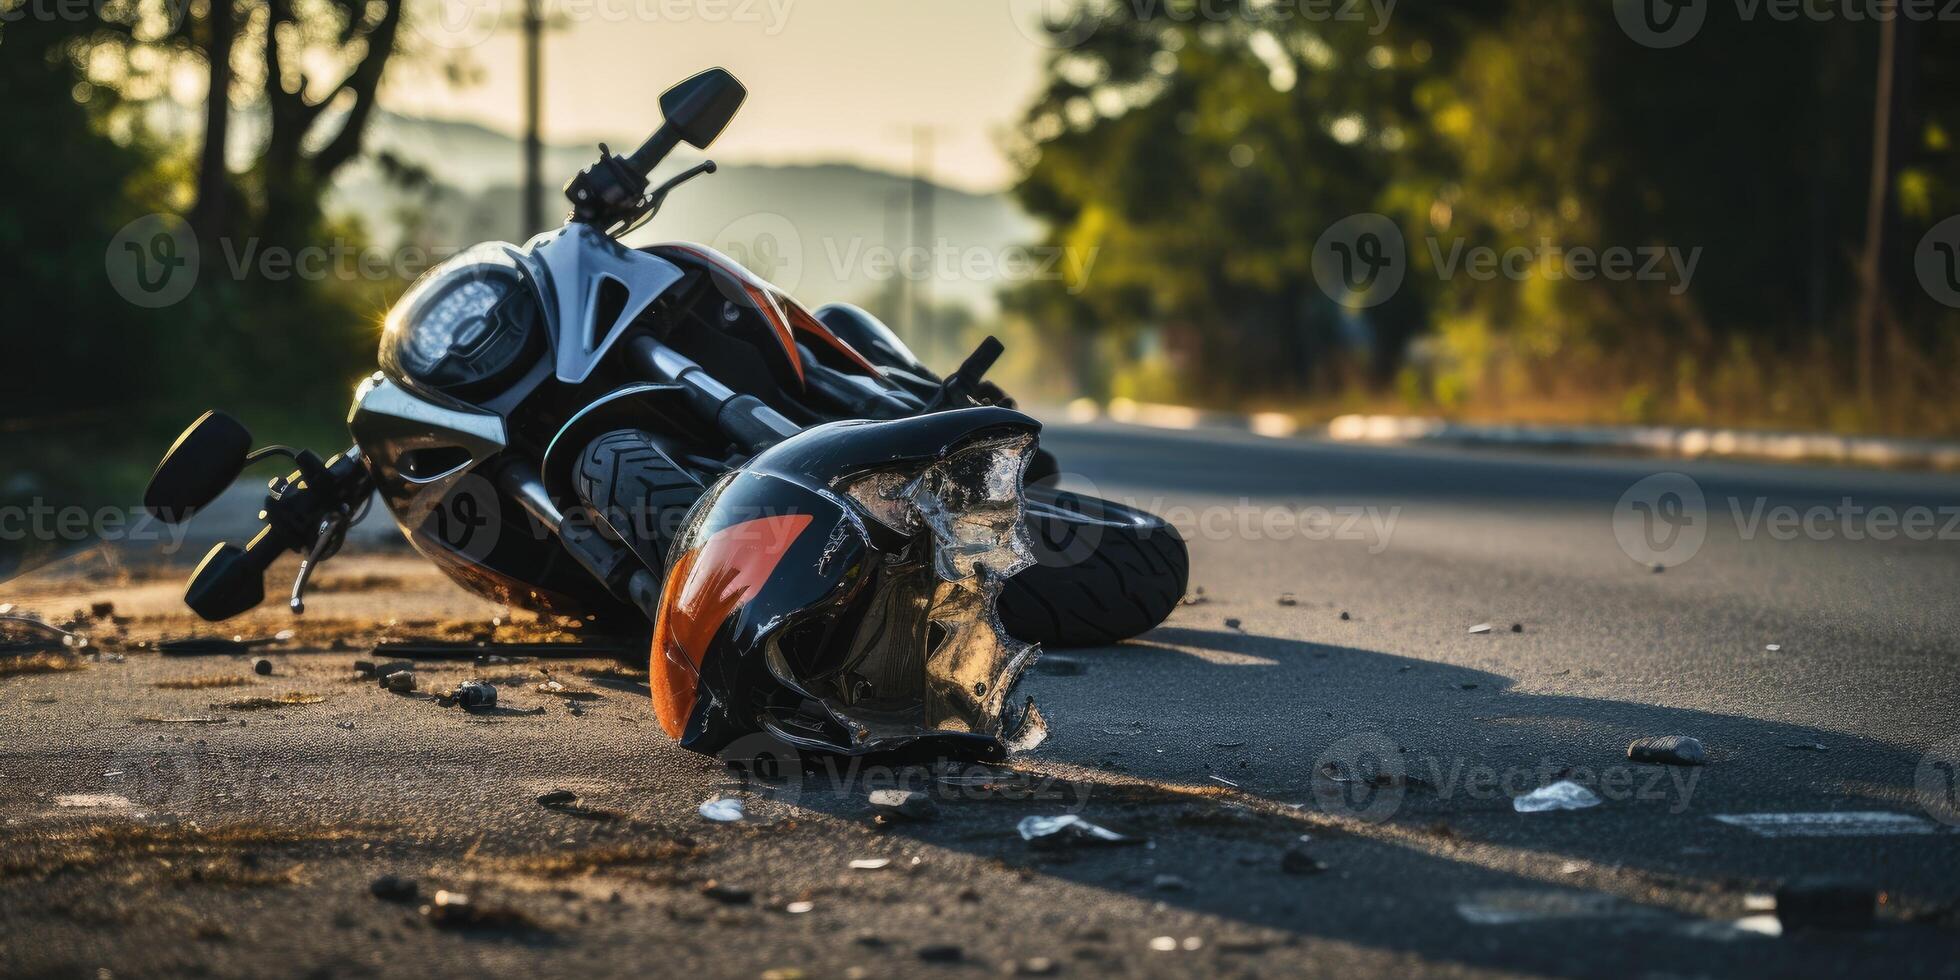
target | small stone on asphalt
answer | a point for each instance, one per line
(906, 804)
(1671, 750)
(394, 888)
(262, 667)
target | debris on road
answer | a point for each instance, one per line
(472, 695)
(1296, 861)
(1288, 599)
(557, 798)
(206, 646)
(1670, 750)
(1562, 795)
(1825, 903)
(1807, 746)
(25, 634)
(941, 953)
(1517, 627)
(1068, 830)
(454, 910)
(1231, 624)
(1773, 647)
(394, 888)
(1170, 883)
(262, 667)
(723, 809)
(727, 894)
(1480, 629)
(903, 804)
(799, 908)
(381, 672)
(1059, 666)
(400, 681)
(1196, 598)
(870, 864)
(1344, 616)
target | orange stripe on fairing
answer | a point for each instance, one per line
(761, 295)
(807, 322)
(706, 585)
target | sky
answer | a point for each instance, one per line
(828, 80)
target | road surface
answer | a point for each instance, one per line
(1319, 749)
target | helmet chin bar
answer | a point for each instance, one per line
(930, 657)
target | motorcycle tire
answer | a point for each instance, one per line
(1105, 572)
(636, 490)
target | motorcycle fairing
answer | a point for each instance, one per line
(789, 607)
(785, 317)
(595, 288)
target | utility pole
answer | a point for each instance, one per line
(533, 189)
(1871, 266)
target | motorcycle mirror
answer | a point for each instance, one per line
(227, 582)
(203, 461)
(699, 108)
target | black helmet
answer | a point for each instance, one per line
(839, 592)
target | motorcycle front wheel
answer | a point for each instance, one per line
(1105, 572)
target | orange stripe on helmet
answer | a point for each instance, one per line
(704, 587)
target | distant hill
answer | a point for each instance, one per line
(817, 229)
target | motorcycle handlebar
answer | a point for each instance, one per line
(231, 580)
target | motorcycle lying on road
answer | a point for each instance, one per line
(826, 540)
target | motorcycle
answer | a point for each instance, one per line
(823, 539)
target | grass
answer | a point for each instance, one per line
(46, 852)
(286, 700)
(203, 683)
(39, 663)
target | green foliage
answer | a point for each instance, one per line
(1205, 156)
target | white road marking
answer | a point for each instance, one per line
(1857, 823)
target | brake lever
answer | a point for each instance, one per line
(326, 544)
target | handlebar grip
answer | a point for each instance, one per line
(231, 580)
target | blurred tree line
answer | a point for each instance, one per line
(1204, 156)
(96, 384)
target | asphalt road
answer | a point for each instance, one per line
(1361, 726)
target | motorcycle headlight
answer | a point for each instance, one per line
(467, 323)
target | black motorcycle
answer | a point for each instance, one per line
(828, 540)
